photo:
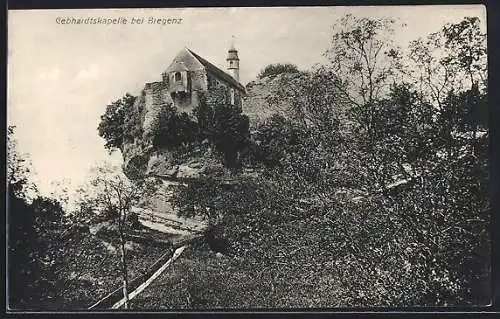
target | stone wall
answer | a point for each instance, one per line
(199, 80)
(156, 97)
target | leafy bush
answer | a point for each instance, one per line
(321, 219)
(118, 122)
(271, 140)
(276, 69)
(133, 221)
(34, 231)
(174, 129)
(328, 213)
(223, 125)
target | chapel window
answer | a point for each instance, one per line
(177, 76)
(232, 96)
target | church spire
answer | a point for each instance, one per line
(233, 61)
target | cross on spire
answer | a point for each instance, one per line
(232, 43)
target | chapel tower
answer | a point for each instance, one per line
(233, 62)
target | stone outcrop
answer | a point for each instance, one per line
(140, 159)
(260, 102)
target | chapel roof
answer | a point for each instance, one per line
(198, 60)
(178, 66)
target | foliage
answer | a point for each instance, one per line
(375, 212)
(276, 69)
(24, 222)
(373, 192)
(54, 262)
(214, 122)
(230, 133)
(19, 170)
(174, 129)
(450, 60)
(133, 119)
(114, 195)
(110, 196)
(223, 126)
(363, 54)
(34, 231)
(117, 121)
(36, 228)
(271, 140)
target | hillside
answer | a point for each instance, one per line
(141, 159)
(259, 103)
(364, 181)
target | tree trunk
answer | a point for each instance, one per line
(124, 264)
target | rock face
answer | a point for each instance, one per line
(259, 103)
(141, 159)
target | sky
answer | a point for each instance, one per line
(62, 76)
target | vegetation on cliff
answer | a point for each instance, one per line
(368, 203)
(278, 68)
(378, 173)
(373, 190)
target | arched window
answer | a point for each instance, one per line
(231, 92)
(177, 76)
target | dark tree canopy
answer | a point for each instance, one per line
(112, 126)
(276, 69)
(223, 125)
(379, 173)
(174, 129)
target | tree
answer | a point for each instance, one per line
(223, 125)
(466, 47)
(276, 69)
(19, 169)
(363, 62)
(113, 121)
(421, 200)
(451, 64)
(417, 135)
(271, 140)
(113, 194)
(363, 55)
(446, 60)
(34, 225)
(23, 268)
(174, 129)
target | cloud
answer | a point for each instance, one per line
(90, 72)
(53, 74)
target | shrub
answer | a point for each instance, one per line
(223, 125)
(133, 221)
(271, 140)
(174, 129)
(113, 127)
(276, 69)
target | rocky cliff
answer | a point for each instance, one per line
(260, 102)
(141, 159)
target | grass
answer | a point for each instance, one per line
(89, 270)
(201, 280)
